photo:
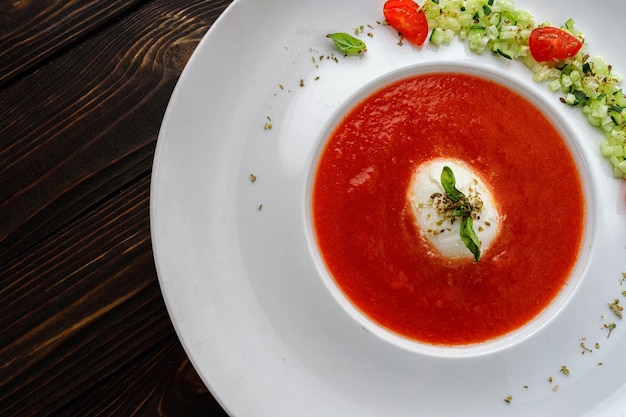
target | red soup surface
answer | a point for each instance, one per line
(366, 231)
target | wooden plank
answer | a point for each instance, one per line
(175, 390)
(33, 31)
(86, 123)
(69, 305)
(87, 326)
(85, 330)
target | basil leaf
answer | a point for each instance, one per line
(461, 207)
(347, 43)
(469, 237)
(448, 182)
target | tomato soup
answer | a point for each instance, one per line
(367, 234)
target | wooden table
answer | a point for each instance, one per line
(83, 326)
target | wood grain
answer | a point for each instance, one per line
(88, 117)
(83, 88)
(32, 31)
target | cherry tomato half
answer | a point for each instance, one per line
(552, 44)
(408, 18)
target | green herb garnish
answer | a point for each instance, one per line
(616, 308)
(347, 44)
(448, 182)
(469, 237)
(461, 207)
(610, 327)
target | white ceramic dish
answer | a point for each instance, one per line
(238, 267)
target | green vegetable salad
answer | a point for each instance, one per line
(586, 82)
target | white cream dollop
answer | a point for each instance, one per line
(440, 230)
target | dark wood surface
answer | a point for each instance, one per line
(84, 85)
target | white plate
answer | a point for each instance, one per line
(235, 258)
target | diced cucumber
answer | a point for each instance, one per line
(589, 84)
(441, 36)
(555, 85)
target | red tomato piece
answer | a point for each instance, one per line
(552, 44)
(408, 18)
